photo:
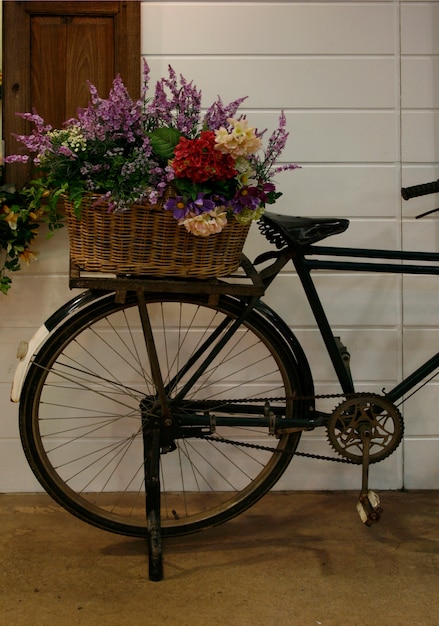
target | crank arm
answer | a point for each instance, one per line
(368, 506)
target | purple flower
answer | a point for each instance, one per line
(66, 152)
(181, 209)
(176, 104)
(201, 205)
(218, 113)
(276, 143)
(17, 158)
(39, 139)
(117, 116)
(267, 188)
(125, 150)
(177, 206)
(246, 198)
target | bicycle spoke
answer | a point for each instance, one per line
(115, 370)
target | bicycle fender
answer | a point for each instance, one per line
(26, 350)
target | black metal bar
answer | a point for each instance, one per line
(355, 266)
(248, 283)
(151, 450)
(414, 379)
(304, 272)
(246, 407)
(152, 353)
(186, 421)
(372, 253)
(151, 442)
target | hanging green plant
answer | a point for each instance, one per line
(21, 212)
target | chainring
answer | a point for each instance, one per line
(365, 410)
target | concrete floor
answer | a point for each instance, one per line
(301, 559)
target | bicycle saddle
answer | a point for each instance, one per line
(300, 231)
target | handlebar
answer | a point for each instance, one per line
(420, 190)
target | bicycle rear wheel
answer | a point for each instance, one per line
(82, 401)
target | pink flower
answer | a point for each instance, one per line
(205, 224)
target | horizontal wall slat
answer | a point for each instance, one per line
(267, 28)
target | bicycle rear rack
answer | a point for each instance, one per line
(246, 282)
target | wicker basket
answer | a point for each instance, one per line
(147, 240)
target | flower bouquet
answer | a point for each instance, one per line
(154, 186)
(20, 217)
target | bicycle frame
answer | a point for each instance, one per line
(305, 260)
(304, 265)
(316, 257)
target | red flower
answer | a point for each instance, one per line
(197, 159)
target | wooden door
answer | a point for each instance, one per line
(51, 49)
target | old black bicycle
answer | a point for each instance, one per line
(154, 407)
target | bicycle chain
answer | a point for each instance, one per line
(308, 455)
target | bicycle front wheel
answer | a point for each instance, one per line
(82, 401)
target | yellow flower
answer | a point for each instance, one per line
(27, 256)
(35, 215)
(241, 141)
(11, 217)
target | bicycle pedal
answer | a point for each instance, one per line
(369, 508)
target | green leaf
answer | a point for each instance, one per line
(164, 140)
(5, 284)
(186, 188)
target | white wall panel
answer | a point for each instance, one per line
(421, 463)
(267, 28)
(340, 190)
(419, 138)
(419, 28)
(339, 136)
(53, 256)
(374, 356)
(9, 415)
(421, 306)
(15, 474)
(421, 234)
(420, 412)
(351, 299)
(420, 82)
(47, 295)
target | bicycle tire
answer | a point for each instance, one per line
(80, 419)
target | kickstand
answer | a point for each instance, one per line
(368, 505)
(152, 484)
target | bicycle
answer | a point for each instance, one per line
(156, 408)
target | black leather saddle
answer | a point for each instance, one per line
(300, 231)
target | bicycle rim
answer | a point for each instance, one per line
(80, 413)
